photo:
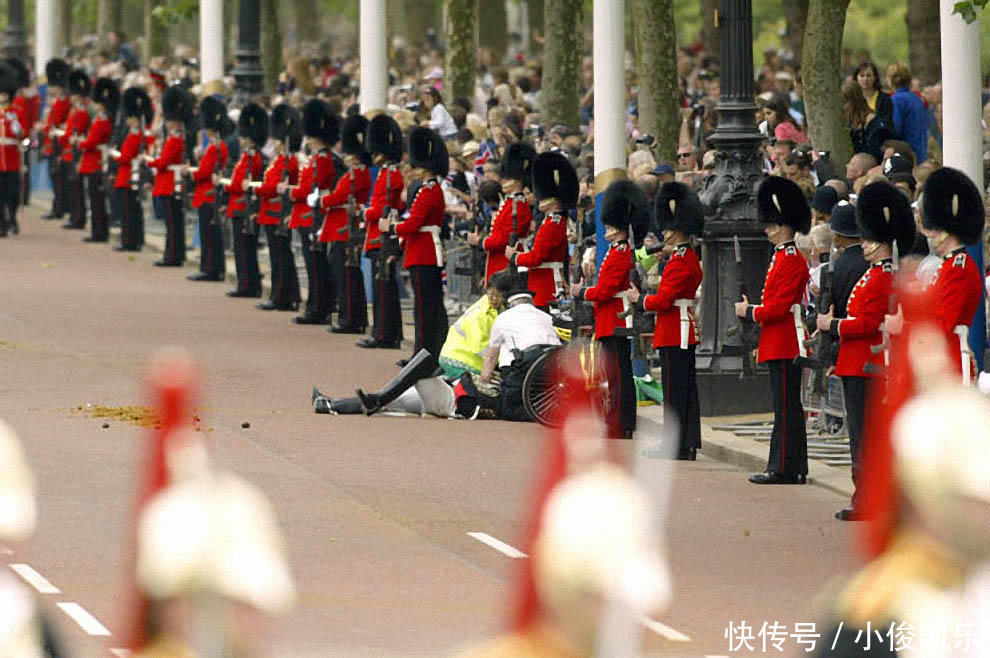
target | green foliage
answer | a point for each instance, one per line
(174, 12)
(969, 9)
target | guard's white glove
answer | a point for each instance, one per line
(983, 383)
(313, 197)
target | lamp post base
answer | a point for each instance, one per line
(728, 394)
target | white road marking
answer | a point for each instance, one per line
(34, 579)
(86, 621)
(121, 653)
(664, 630)
(498, 545)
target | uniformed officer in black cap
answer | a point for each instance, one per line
(850, 264)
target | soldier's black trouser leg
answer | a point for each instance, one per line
(680, 396)
(788, 440)
(621, 417)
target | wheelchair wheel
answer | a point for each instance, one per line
(542, 392)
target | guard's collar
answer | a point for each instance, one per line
(954, 252)
(784, 245)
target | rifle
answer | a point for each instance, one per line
(822, 340)
(743, 328)
(286, 203)
(355, 236)
(513, 236)
(389, 243)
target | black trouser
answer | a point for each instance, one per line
(680, 396)
(175, 229)
(385, 307)
(510, 402)
(25, 197)
(317, 269)
(74, 194)
(285, 280)
(131, 218)
(246, 255)
(100, 226)
(8, 200)
(621, 416)
(336, 260)
(788, 441)
(211, 259)
(354, 314)
(55, 174)
(429, 314)
(854, 391)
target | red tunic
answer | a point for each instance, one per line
(57, 115)
(498, 237)
(248, 167)
(389, 180)
(129, 150)
(421, 229)
(97, 139)
(547, 256)
(958, 290)
(282, 168)
(868, 303)
(784, 287)
(11, 133)
(317, 174)
(214, 160)
(171, 156)
(75, 125)
(613, 279)
(681, 280)
(335, 227)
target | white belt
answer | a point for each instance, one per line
(965, 354)
(177, 181)
(682, 306)
(435, 232)
(799, 329)
(624, 296)
(9, 141)
(558, 275)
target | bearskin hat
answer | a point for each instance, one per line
(554, 178)
(517, 162)
(8, 79)
(212, 112)
(23, 75)
(176, 104)
(952, 203)
(353, 135)
(781, 201)
(320, 122)
(107, 93)
(883, 214)
(253, 124)
(427, 150)
(227, 127)
(625, 207)
(678, 208)
(284, 121)
(57, 72)
(295, 141)
(385, 137)
(79, 83)
(137, 103)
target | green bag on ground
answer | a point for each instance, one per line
(648, 391)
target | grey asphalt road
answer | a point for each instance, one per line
(376, 511)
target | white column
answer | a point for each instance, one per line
(44, 34)
(962, 127)
(610, 86)
(374, 61)
(210, 40)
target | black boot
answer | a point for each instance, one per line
(420, 366)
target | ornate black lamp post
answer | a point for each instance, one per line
(726, 385)
(15, 44)
(248, 76)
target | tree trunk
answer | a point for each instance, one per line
(420, 16)
(796, 12)
(230, 9)
(656, 71)
(271, 44)
(822, 77)
(109, 16)
(535, 17)
(63, 26)
(924, 40)
(709, 31)
(459, 69)
(492, 18)
(307, 27)
(155, 35)
(564, 20)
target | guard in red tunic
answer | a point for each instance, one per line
(138, 113)
(385, 145)
(885, 219)
(953, 217)
(320, 129)
(544, 263)
(784, 210)
(177, 105)
(27, 105)
(514, 216)
(94, 148)
(680, 216)
(625, 213)
(11, 133)
(75, 130)
(252, 127)
(212, 161)
(274, 211)
(57, 74)
(421, 232)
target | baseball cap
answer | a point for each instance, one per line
(662, 169)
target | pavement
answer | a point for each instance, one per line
(377, 512)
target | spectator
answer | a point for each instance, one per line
(858, 165)
(779, 120)
(822, 203)
(840, 187)
(897, 147)
(868, 79)
(440, 119)
(125, 51)
(910, 116)
(867, 129)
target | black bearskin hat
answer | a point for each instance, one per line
(952, 203)
(176, 104)
(678, 208)
(57, 72)
(517, 162)
(353, 135)
(385, 137)
(883, 214)
(780, 201)
(284, 121)
(227, 127)
(555, 178)
(107, 93)
(8, 79)
(212, 112)
(427, 150)
(625, 207)
(295, 141)
(253, 124)
(79, 83)
(23, 75)
(320, 122)
(137, 103)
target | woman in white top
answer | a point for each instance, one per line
(440, 119)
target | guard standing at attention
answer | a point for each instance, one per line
(176, 108)
(514, 216)
(138, 113)
(11, 133)
(252, 127)
(75, 129)
(784, 211)
(94, 148)
(212, 267)
(57, 73)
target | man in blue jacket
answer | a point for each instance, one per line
(910, 116)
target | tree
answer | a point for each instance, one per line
(271, 43)
(63, 26)
(492, 16)
(709, 31)
(110, 16)
(656, 72)
(420, 16)
(797, 20)
(822, 75)
(461, 56)
(969, 9)
(307, 28)
(155, 36)
(535, 8)
(924, 40)
(564, 21)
